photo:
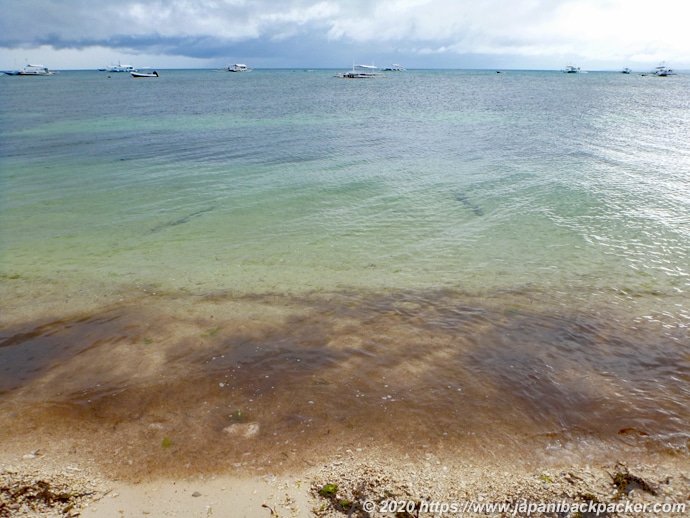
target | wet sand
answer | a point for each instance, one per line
(147, 385)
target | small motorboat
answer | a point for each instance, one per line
(145, 74)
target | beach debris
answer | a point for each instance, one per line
(33, 455)
(329, 490)
(625, 482)
(238, 416)
(344, 505)
(42, 493)
(196, 494)
(167, 442)
(368, 484)
(246, 430)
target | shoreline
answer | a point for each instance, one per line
(424, 396)
(359, 484)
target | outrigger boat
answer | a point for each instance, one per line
(367, 72)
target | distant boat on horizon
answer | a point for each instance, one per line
(118, 68)
(30, 70)
(364, 72)
(238, 67)
(661, 71)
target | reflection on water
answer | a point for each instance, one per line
(207, 383)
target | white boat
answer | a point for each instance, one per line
(360, 72)
(31, 70)
(238, 67)
(394, 68)
(626, 70)
(144, 74)
(661, 71)
(120, 68)
(570, 69)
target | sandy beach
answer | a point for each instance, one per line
(352, 483)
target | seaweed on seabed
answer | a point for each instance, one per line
(462, 198)
(180, 221)
(625, 482)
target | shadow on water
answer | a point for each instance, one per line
(467, 203)
(174, 384)
(180, 221)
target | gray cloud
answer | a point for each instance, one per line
(320, 31)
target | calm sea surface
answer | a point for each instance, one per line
(492, 262)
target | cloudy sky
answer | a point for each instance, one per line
(510, 34)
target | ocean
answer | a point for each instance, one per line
(210, 271)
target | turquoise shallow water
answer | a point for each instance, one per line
(426, 179)
(439, 177)
(557, 206)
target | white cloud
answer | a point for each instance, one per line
(596, 30)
